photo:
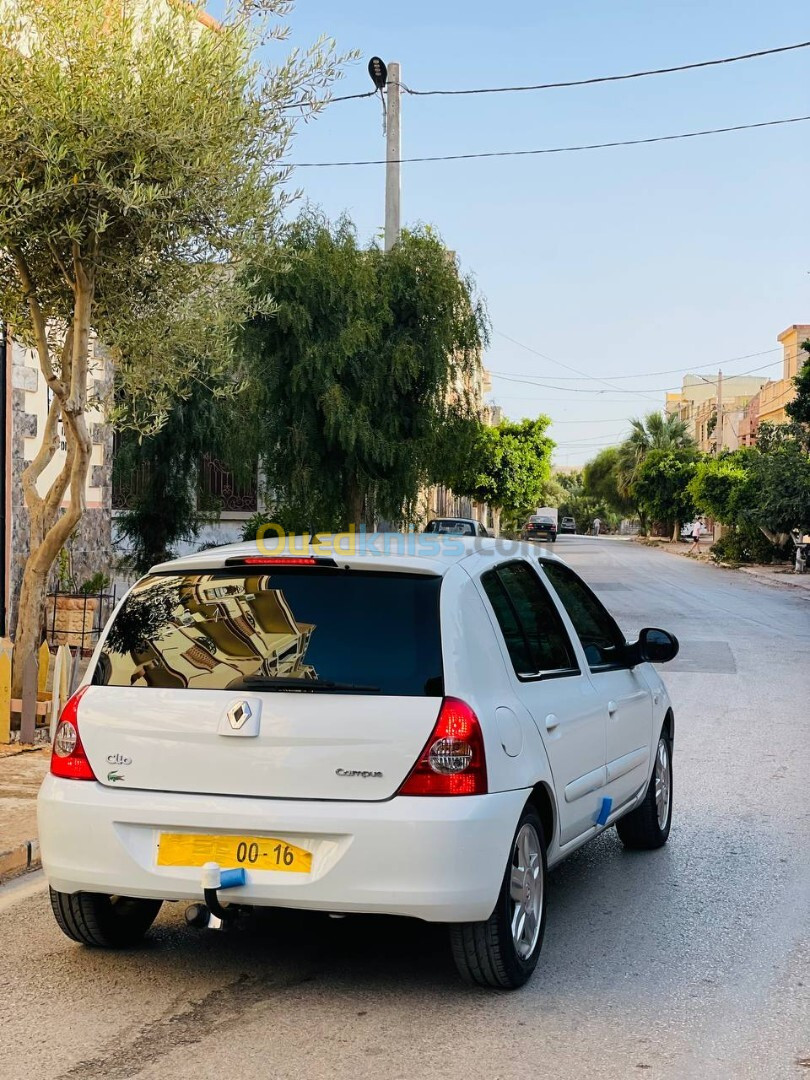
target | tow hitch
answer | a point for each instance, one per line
(212, 914)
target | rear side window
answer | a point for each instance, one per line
(278, 630)
(451, 527)
(602, 640)
(532, 628)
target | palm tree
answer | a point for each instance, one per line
(657, 431)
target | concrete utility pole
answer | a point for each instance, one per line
(393, 153)
(719, 427)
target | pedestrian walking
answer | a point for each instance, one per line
(697, 529)
(597, 525)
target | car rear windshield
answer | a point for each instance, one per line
(450, 527)
(282, 629)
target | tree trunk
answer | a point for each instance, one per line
(496, 520)
(49, 528)
(355, 498)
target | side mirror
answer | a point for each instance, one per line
(654, 646)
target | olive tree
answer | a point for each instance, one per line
(140, 151)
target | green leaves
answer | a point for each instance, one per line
(799, 409)
(765, 488)
(143, 148)
(716, 487)
(507, 466)
(662, 485)
(366, 362)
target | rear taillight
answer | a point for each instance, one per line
(68, 758)
(453, 761)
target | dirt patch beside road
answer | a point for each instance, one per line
(21, 773)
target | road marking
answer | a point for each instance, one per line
(23, 888)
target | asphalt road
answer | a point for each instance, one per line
(692, 961)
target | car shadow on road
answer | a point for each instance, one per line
(598, 902)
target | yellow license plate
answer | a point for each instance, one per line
(252, 852)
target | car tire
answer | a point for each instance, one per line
(647, 827)
(502, 951)
(103, 922)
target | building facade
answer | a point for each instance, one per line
(696, 405)
(770, 404)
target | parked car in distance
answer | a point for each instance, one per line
(568, 525)
(456, 527)
(539, 527)
(382, 732)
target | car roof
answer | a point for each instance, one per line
(420, 553)
(467, 521)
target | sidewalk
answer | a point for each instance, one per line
(779, 576)
(21, 773)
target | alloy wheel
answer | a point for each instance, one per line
(526, 891)
(663, 783)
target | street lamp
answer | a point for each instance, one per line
(378, 72)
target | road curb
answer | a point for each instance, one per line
(19, 860)
(775, 581)
(771, 579)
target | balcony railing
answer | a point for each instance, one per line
(218, 487)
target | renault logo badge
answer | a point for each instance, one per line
(239, 714)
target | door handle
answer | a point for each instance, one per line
(612, 707)
(551, 722)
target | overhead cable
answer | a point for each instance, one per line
(609, 78)
(715, 364)
(548, 149)
(592, 81)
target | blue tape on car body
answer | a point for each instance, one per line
(604, 812)
(230, 879)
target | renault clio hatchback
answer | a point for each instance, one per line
(419, 728)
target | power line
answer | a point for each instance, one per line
(714, 364)
(609, 78)
(570, 82)
(304, 103)
(621, 390)
(605, 420)
(548, 149)
(568, 367)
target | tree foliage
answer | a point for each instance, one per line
(657, 431)
(776, 493)
(799, 409)
(363, 369)
(765, 489)
(164, 506)
(507, 467)
(584, 507)
(139, 160)
(662, 486)
(601, 482)
(717, 485)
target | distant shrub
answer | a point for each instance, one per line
(745, 545)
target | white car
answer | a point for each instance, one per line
(420, 728)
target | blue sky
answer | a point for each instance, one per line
(615, 262)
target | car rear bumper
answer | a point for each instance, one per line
(438, 859)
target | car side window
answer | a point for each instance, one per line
(531, 626)
(602, 640)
